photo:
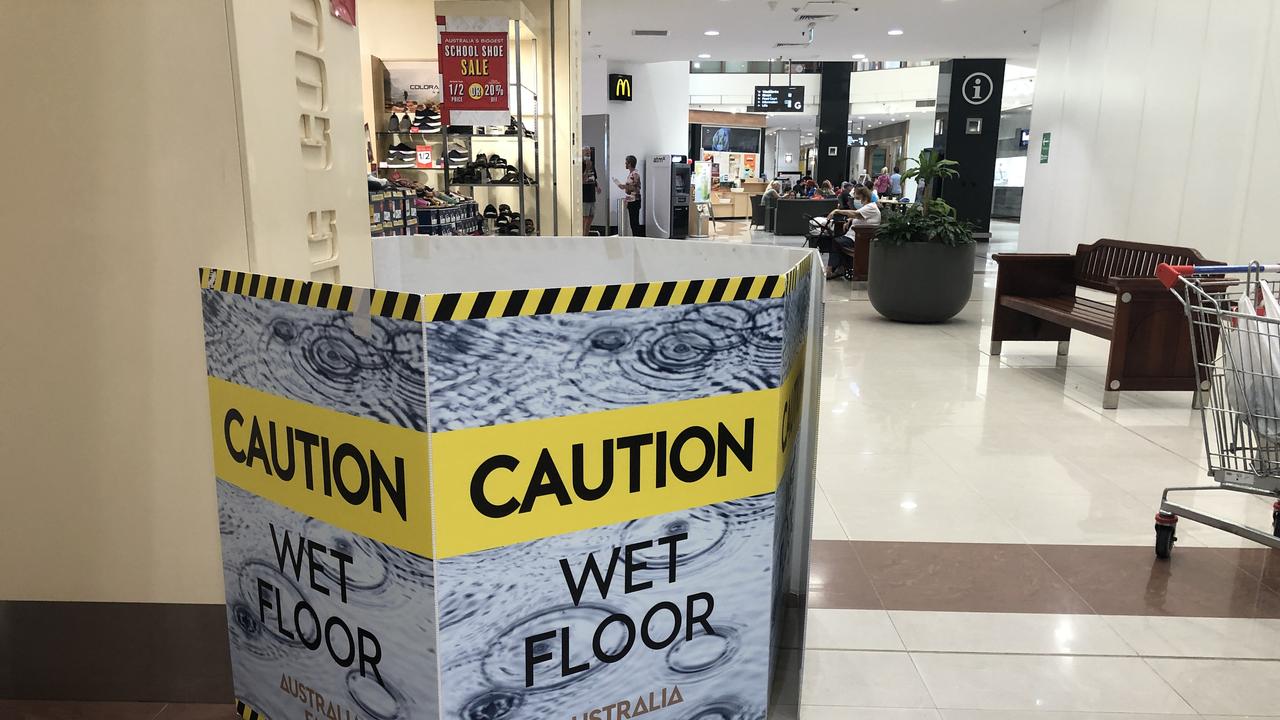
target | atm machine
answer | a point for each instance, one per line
(668, 187)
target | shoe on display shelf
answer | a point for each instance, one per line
(458, 157)
(490, 212)
(393, 125)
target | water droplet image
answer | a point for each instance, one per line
(492, 706)
(705, 651)
(380, 701)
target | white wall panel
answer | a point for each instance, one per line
(1258, 236)
(1220, 148)
(1113, 151)
(1168, 119)
(1077, 178)
(1041, 195)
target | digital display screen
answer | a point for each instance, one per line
(779, 98)
(730, 139)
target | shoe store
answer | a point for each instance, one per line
(455, 126)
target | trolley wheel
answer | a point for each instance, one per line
(1164, 541)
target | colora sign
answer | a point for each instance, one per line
(620, 87)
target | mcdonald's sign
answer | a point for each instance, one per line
(620, 87)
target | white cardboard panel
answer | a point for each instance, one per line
(431, 264)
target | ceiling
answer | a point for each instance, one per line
(751, 29)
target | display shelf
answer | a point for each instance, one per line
(437, 133)
(494, 184)
(490, 137)
(384, 166)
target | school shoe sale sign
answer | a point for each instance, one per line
(547, 503)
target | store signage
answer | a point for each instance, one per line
(473, 66)
(424, 157)
(978, 88)
(606, 541)
(344, 10)
(620, 87)
(779, 98)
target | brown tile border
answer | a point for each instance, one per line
(969, 577)
(171, 653)
(1073, 579)
(156, 652)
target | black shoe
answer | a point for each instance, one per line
(458, 157)
(401, 156)
(394, 124)
(496, 161)
(504, 209)
(490, 212)
(528, 227)
(460, 130)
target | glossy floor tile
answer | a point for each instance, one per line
(1018, 633)
(1038, 683)
(1223, 687)
(862, 679)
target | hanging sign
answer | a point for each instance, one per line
(474, 69)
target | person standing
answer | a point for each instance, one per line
(632, 188)
(590, 188)
(895, 184)
(882, 182)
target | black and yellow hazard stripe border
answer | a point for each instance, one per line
(442, 307)
(244, 712)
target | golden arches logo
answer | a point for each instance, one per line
(622, 87)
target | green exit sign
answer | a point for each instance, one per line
(1044, 148)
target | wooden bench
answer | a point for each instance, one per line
(1150, 342)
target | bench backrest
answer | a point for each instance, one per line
(1097, 263)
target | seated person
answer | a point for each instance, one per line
(825, 190)
(770, 197)
(864, 214)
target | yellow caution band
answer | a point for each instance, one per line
(244, 712)
(355, 473)
(442, 307)
(506, 484)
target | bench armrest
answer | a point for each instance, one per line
(1139, 287)
(1035, 274)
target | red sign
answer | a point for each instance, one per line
(473, 66)
(344, 10)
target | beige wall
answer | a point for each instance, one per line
(303, 144)
(121, 175)
(393, 30)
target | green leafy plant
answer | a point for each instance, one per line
(931, 219)
(930, 167)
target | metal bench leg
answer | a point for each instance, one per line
(1110, 399)
(1063, 346)
(996, 346)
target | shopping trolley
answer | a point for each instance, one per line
(1237, 356)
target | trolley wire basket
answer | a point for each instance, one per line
(1234, 324)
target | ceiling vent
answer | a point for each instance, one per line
(821, 11)
(649, 33)
(926, 103)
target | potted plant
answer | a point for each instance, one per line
(921, 260)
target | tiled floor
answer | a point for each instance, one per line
(983, 534)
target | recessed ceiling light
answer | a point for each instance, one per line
(895, 32)
(697, 65)
(711, 33)
(859, 56)
(705, 56)
(862, 117)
